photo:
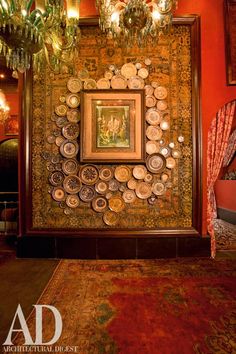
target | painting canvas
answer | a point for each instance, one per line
(12, 125)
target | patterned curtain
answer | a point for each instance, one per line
(231, 148)
(218, 137)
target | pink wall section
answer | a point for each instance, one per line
(225, 194)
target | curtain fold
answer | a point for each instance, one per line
(218, 137)
(231, 148)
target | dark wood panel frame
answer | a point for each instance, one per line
(230, 40)
(26, 228)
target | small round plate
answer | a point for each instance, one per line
(150, 101)
(165, 151)
(113, 185)
(147, 61)
(56, 178)
(106, 173)
(83, 74)
(116, 203)
(60, 110)
(101, 187)
(69, 148)
(108, 74)
(90, 84)
(70, 166)
(132, 183)
(72, 184)
(129, 196)
(72, 201)
(59, 194)
(148, 178)
(170, 162)
(74, 84)
(99, 204)
(160, 92)
(164, 177)
(110, 218)
(148, 90)
(143, 190)
(103, 84)
(89, 174)
(164, 124)
(153, 133)
(152, 147)
(72, 100)
(154, 84)
(123, 173)
(136, 83)
(143, 73)
(153, 117)
(158, 188)
(73, 115)
(139, 171)
(162, 105)
(156, 163)
(59, 140)
(118, 82)
(87, 193)
(70, 131)
(128, 70)
(61, 121)
(176, 153)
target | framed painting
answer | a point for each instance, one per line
(230, 40)
(112, 126)
(11, 125)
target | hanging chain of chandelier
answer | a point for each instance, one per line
(135, 22)
(37, 30)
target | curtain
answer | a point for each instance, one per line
(218, 137)
(231, 148)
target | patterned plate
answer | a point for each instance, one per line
(143, 190)
(108, 74)
(69, 148)
(139, 171)
(72, 184)
(89, 174)
(56, 178)
(103, 84)
(152, 147)
(170, 162)
(106, 173)
(99, 204)
(60, 110)
(74, 85)
(73, 100)
(153, 117)
(110, 218)
(158, 188)
(128, 70)
(113, 185)
(101, 187)
(143, 73)
(116, 203)
(119, 82)
(59, 140)
(156, 163)
(176, 153)
(154, 133)
(90, 84)
(164, 125)
(72, 200)
(165, 151)
(73, 115)
(150, 101)
(136, 83)
(132, 183)
(147, 61)
(148, 178)
(87, 193)
(148, 90)
(70, 131)
(129, 196)
(164, 177)
(61, 121)
(83, 74)
(162, 105)
(160, 92)
(123, 173)
(70, 166)
(58, 194)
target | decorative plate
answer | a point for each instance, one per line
(154, 133)
(87, 193)
(143, 73)
(70, 166)
(110, 218)
(132, 183)
(139, 171)
(51, 139)
(129, 196)
(176, 153)
(74, 85)
(154, 84)
(55, 158)
(108, 74)
(73, 115)
(103, 84)
(160, 92)
(90, 84)
(143, 190)
(150, 101)
(70, 131)
(62, 98)
(59, 140)
(72, 184)
(128, 70)
(89, 174)
(148, 178)
(99, 204)
(136, 83)
(113, 185)
(148, 90)
(153, 117)
(158, 188)
(164, 177)
(101, 187)
(61, 121)
(170, 162)
(164, 125)
(156, 163)
(118, 82)
(147, 61)
(72, 200)
(138, 65)
(58, 194)
(106, 173)
(162, 105)
(69, 148)
(60, 110)
(152, 147)
(83, 74)
(56, 178)
(116, 203)
(165, 151)
(123, 173)
(72, 100)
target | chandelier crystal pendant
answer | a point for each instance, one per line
(135, 22)
(37, 30)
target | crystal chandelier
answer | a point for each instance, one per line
(37, 30)
(4, 108)
(134, 22)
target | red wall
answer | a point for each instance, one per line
(225, 194)
(13, 102)
(214, 92)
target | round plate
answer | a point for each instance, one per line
(160, 92)
(132, 183)
(176, 153)
(72, 200)
(113, 185)
(143, 73)
(148, 178)
(147, 61)
(73, 115)
(138, 65)
(73, 100)
(72, 184)
(164, 125)
(116, 203)
(148, 90)
(162, 105)
(70, 166)
(143, 190)
(89, 174)
(118, 82)
(158, 188)
(61, 121)
(56, 178)
(110, 218)
(122, 173)
(74, 85)
(154, 133)
(59, 140)
(108, 74)
(156, 163)
(153, 117)
(165, 151)
(83, 74)
(154, 84)
(58, 194)
(128, 70)
(136, 83)
(170, 162)
(106, 173)
(139, 171)
(101, 187)
(164, 177)
(60, 110)
(90, 84)
(87, 193)
(150, 101)
(103, 84)
(70, 131)
(152, 147)
(99, 204)
(69, 148)
(129, 196)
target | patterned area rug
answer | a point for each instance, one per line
(178, 306)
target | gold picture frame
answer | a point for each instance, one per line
(112, 126)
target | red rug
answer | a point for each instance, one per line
(145, 307)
